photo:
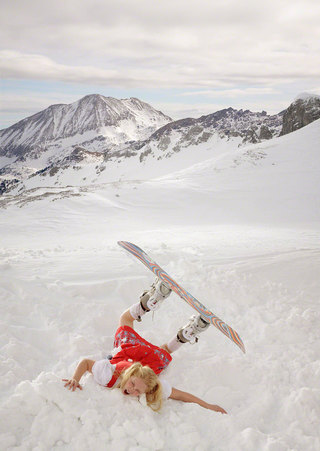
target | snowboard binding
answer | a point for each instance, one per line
(190, 332)
(151, 299)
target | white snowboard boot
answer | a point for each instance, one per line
(152, 299)
(190, 332)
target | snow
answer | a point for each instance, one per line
(131, 168)
(306, 96)
(5, 160)
(240, 231)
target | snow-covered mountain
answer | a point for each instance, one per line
(105, 120)
(100, 140)
(96, 123)
(50, 146)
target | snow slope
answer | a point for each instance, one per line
(275, 182)
(240, 231)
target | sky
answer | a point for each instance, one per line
(184, 57)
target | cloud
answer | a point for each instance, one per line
(230, 93)
(18, 65)
(189, 57)
(169, 44)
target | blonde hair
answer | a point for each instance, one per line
(149, 377)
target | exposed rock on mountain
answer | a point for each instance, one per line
(78, 156)
(304, 110)
(226, 124)
(6, 185)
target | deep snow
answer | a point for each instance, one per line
(243, 238)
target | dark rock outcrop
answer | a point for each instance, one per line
(301, 112)
(7, 185)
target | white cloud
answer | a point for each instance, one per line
(207, 54)
(18, 65)
(230, 93)
(169, 43)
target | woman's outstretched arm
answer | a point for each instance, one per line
(188, 397)
(73, 383)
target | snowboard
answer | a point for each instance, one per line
(205, 313)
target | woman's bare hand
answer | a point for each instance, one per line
(72, 384)
(216, 408)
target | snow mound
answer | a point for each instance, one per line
(62, 305)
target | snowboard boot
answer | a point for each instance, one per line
(190, 332)
(157, 293)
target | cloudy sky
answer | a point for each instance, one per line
(184, 57)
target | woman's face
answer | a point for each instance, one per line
(135, 386)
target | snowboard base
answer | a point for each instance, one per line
(206, 314)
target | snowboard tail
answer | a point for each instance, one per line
(206, 314)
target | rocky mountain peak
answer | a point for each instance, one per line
(303, 110)
(243, 126)
(235, 122)
(115, 120)
(306, 96)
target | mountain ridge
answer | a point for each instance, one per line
(98, 138)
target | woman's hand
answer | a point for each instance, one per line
(216, 408)
(72, 384)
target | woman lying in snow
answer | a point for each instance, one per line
(135, 365)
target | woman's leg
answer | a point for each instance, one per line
(149, 300)
(165, 347)
(172, 345)
(188, 333)
(126, 319)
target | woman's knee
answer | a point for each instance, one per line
(165, 347)
(126, 319)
